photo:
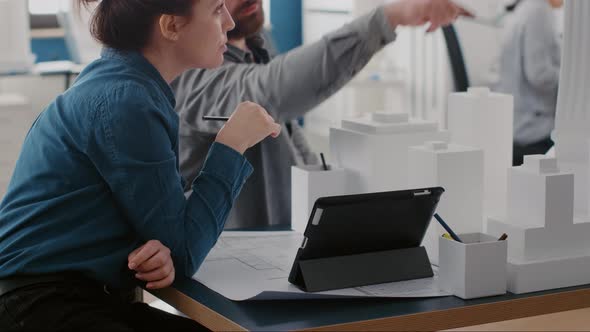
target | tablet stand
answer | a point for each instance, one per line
(322, 274)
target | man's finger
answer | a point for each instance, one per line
(464, 12)
(143, 255)
(432, 27)
(449, 16)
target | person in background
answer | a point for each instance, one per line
(529, 70)
(96, 203)
(288, 86)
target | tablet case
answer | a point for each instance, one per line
(367, 239)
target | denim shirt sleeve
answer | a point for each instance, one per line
(133, 147)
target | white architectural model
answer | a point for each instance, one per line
(81, 45)
(546, 248)
(543, 205)
(459, 170)
(375, 149)
(308, 183)
(15, 54)
(15, 120)
(483, 119)
(572, 127)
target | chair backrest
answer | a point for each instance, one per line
(458, 67)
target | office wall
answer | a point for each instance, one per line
(286, 24)
(286, 29)
(50, 49)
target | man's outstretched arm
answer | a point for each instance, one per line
(294, 83)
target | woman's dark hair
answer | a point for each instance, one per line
(127, 24)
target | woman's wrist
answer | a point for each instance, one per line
(232, 142)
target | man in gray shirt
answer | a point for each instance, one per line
(529, 70)
(287, 86)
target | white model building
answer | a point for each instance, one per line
(375, 149)
(459, 170)
(82, 46)
(15, 56)
(546, 248)
(308, 183)
(15, 121)
(572, 126)
(483, 119)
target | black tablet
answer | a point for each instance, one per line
(369, 223)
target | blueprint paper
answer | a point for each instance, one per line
(255, 266)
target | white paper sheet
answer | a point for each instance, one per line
(256, 265)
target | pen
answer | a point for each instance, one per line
(215, 118)
(447, 228)
(324, 162)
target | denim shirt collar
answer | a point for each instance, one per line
(137, 61)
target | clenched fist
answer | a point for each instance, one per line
(249, 125)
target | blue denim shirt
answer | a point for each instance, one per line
(98, 177)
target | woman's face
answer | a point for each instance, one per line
(201, 41)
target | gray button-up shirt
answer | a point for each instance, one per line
(287, 86)
(530, 64)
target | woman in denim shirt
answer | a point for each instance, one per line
(98, 177)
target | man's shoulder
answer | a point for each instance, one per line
(234, 55)
(200, 78)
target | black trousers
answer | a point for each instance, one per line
(82, 306)
(541, 147)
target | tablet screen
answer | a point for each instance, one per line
(349, 225)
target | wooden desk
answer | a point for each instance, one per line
(575, 320)
(218, 313)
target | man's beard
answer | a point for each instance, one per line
(247, 26)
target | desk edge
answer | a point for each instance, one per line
(472, 315)
(197, 311)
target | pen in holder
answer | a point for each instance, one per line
(475, 268)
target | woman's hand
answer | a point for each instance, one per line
(153, 264)
(249, 125)
(419, 12)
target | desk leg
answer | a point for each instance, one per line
(68, 81)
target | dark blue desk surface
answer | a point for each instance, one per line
(306, 314)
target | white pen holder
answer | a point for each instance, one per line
(475, 268)
(308, 183)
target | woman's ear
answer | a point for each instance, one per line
(170, 26)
